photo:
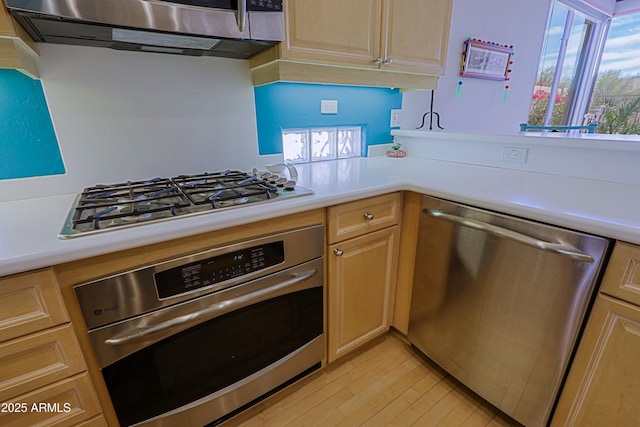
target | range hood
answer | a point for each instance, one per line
(227, 28)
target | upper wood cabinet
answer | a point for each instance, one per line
(364, 42)
(415, 35)
(17, 48)
(333, 31)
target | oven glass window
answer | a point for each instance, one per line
(213, 355)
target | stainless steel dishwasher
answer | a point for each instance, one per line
(498, 302)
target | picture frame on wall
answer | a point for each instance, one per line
(486, 60)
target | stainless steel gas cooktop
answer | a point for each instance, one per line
(106, 207)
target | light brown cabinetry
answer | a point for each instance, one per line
(363, 42)
(43, 379)
(363, 249)
(603, 387)
(411, 211)
(17, 48)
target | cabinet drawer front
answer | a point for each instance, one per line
(28, 303)
(99, 421)
(37, 360)
(622, 277)
(64, 403)
(363, 216)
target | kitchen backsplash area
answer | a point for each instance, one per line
(131, 115)
(295, 105)
(29, 146)
(145, 115)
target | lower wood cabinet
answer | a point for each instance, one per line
(603, 386)
(43, 374)
(604, 382)
(63, 403)
(37, 360)
(362, 275)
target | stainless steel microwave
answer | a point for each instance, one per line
(235, 29)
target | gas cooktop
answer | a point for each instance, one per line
(106, 207)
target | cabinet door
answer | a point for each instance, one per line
(6, 26)
(415, 35)
(603, 387)
(362, 275)
(333, 31)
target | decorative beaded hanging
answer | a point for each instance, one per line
(486, 60)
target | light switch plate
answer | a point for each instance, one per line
(328, 106)
(395, 118)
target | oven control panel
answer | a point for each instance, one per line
(217, 269)
(214, 269)
(265, 5)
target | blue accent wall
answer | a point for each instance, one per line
(28, 144)
(297, 105)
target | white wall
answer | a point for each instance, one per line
(132, 116)
(609, 158)
(481, 107)
(626, 7)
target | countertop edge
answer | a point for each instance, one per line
(594, 207)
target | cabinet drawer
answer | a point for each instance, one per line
(37, 360)
(64, 403)
(99, 421)
(363, 216)
(622, 277)
(29, 303)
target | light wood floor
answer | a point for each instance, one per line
(387, 383)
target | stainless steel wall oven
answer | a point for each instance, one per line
(188, 341)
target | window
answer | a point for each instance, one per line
(572, 48)
(316, 144)
(617, 90)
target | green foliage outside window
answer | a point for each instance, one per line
(619, 94)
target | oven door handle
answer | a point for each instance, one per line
(559, 248)
(209, 312)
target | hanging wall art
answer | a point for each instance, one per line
(485, 59)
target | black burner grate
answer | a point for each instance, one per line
(105, 206)
(225, 189)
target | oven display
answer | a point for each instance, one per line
(189, 277)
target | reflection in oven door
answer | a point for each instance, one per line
(200, 360)
(208, 358)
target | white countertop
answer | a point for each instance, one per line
(29, 228)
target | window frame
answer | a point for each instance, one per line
(589, 62)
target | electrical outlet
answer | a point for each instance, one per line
(395, 118)
(514, 154)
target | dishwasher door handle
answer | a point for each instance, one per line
(209, 312)
(559, 248)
